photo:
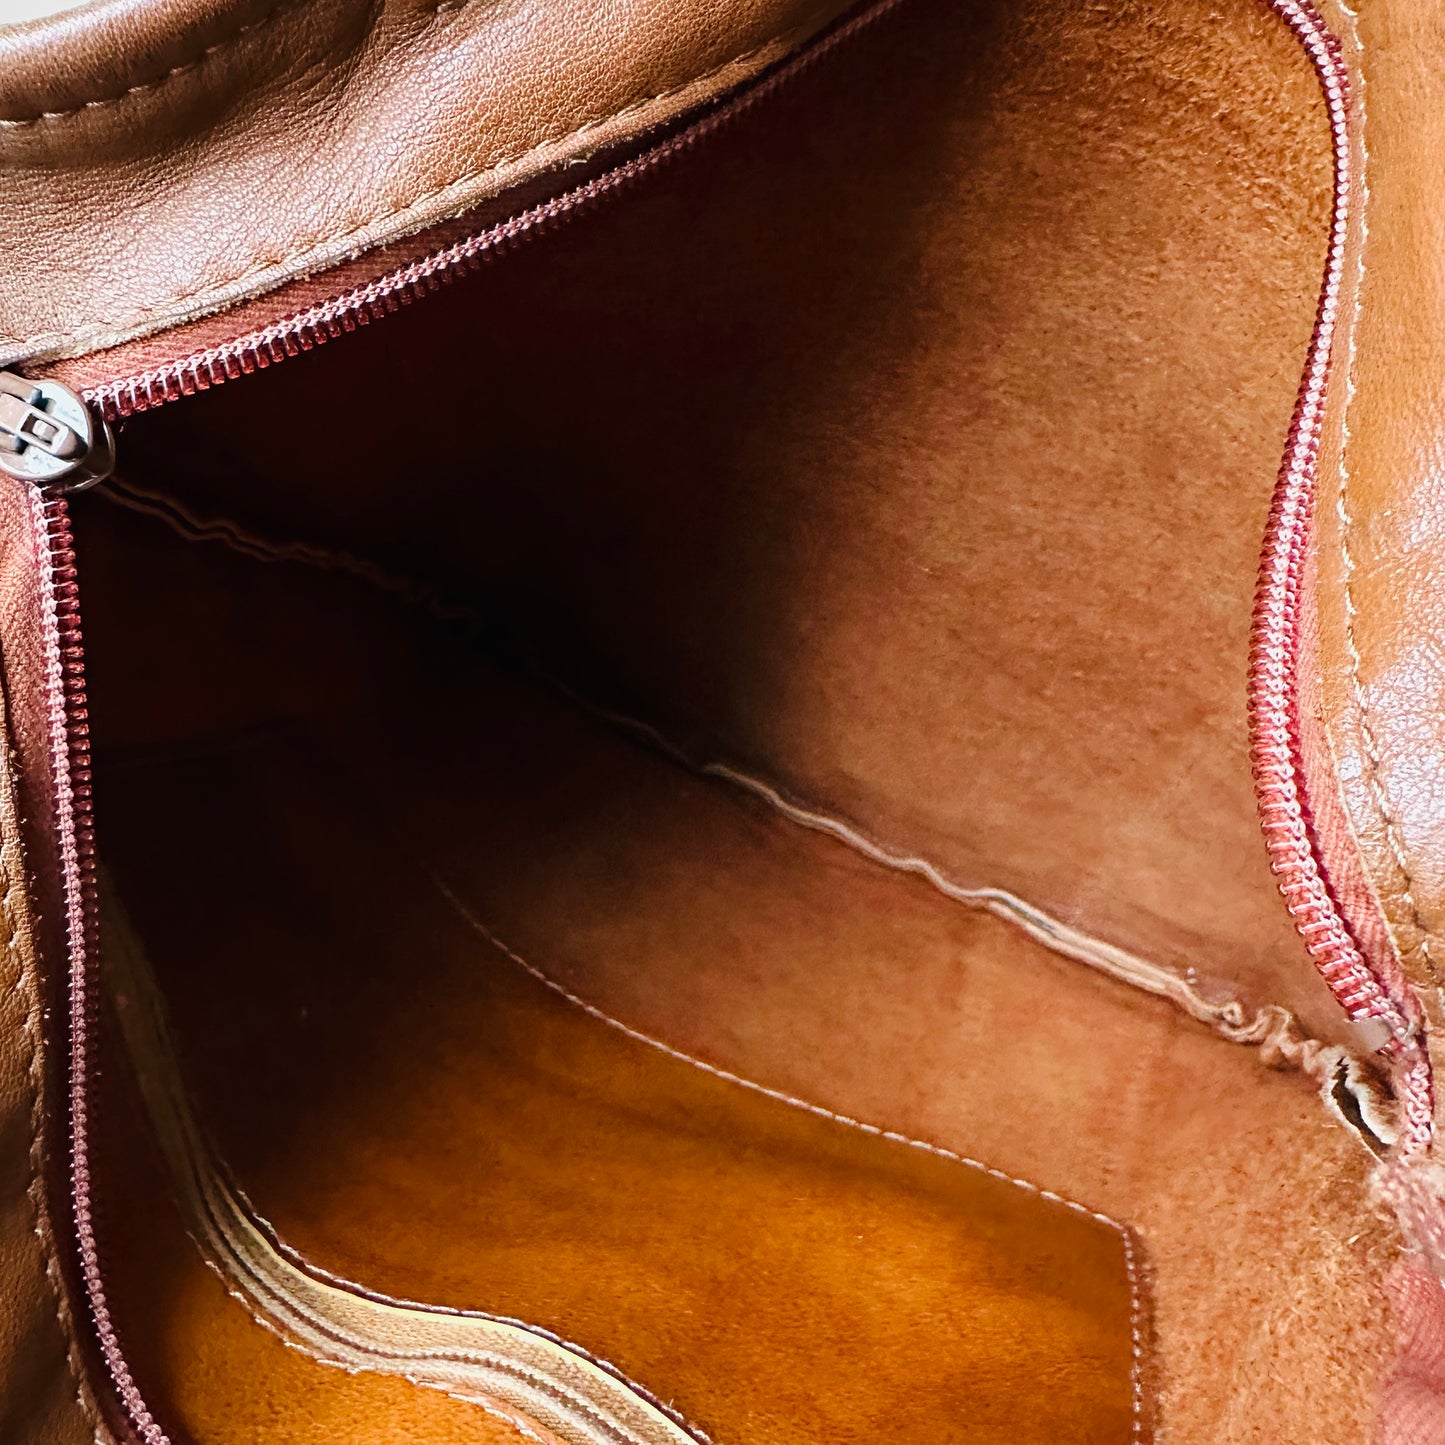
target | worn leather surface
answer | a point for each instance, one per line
(919, 450)
(728, 665)
(773, 952)
(166, 158)
(1380, 535)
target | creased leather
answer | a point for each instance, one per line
(777, 1276)
(253, 1386)
(184, 276)
(163, 160)
(513, 1373)
(681, 908)
(1380, 518)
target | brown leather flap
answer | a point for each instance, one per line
(167, 158)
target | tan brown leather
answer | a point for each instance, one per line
(772, 952)
(41, 1315)
(886, 445)
(167, 159)
(1380, 542)
(42, 1399)
(849, 454)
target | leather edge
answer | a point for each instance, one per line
(434, 208)
(70, 1411)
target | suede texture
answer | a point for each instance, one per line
(686, 912)
(913, 440)
(214, 1375)
(412, 1111)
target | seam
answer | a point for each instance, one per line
(12, 880)
(35, 1186)
(489, 1407)
(1136, 1332)
(873, 1130)
(1374, 769)
(1375, 766)
(249, 28)
(225, 1230)
(15, 871)
(25, 122)
(1271, 1028)
(558, 1391)
(322, 1275)
(310, 244)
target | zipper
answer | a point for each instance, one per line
(61, 442)
(1276, 751)
(69, 731)
(317, 325)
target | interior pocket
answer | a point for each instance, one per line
(552, 746)
(417, 1109)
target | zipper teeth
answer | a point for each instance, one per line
(74, 816)
(1275, 747)
(1275, 643)
(316, 325)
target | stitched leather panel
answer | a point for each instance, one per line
(1380, 538)
(165, 159)
(772, 951)
(229, 1380)
(515, 1374)
(445, 1128)
(936, 493)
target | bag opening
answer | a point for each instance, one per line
(908, 450)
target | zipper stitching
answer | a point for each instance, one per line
(62, 644)
(1275, 644)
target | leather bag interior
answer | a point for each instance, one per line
(905, 450)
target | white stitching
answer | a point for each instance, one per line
(210, 1205)
(311, 246)
(522, 1426)
(25, 122)
(265, 18)
(1271, 1028)
(1375, 770)
(1136, 1332)
(892, 1136)
(323, 1275)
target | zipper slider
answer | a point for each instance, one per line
(50, 438)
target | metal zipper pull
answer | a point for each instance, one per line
(50, 438)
